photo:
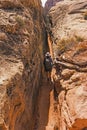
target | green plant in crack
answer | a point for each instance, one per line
(20, 21)
(64, 44)
(79, 38)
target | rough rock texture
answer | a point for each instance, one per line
(21, 31)
(68, 20)
(49, 4)
(68, 29)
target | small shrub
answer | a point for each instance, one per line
(65, 44)
(20, 21)
(85, 15)
(79, 38)
(62, 45)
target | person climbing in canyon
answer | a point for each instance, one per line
(48, 64)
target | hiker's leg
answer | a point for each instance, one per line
(46, 75)
(49, 76)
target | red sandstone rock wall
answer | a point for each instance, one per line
(68, 28)
(21, 29)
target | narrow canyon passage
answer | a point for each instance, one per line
(46, 115)
(27, 32)
(42, 112)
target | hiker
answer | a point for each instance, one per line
(48, 63)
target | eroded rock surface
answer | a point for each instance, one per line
(68, 20)
(49, 4)
(68, 28)
(21, 29)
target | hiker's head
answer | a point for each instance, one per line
(47, 54)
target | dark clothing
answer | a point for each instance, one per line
(84, 128)
(48, 63)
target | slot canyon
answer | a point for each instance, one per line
(28, 101)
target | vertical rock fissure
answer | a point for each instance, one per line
(46, 114)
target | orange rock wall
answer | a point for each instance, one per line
(21, 48)
(67, 28)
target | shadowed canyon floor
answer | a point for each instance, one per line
(45, 114)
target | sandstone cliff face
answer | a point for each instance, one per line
(68, 20)
(21, 31)
(49, 4)
(68, 29)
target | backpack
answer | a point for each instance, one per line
(48, 63)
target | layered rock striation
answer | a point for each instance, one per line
(49, 4)
(68, 19)
(21, 47)
(68, 29)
